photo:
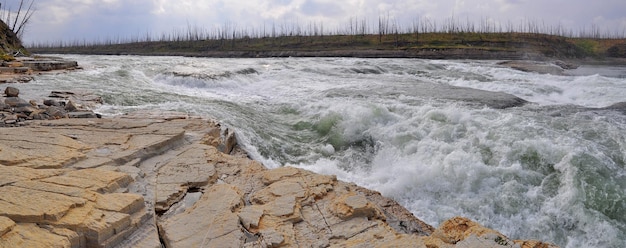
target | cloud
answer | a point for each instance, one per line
(90, 19)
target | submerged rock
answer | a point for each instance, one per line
(120, 182)
(537, 66)
(620, 106)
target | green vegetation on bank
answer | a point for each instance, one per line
(546, 45)
(13, 22)
(363, 38)
(9, 43)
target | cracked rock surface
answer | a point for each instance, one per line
(170, 180)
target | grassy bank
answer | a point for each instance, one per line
(463, 44)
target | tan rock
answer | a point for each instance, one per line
(283, 206)
(272, 176)
(76, 241)
(30, 235)
(41, 151)
(279, 189)
(6, 225)
(11, 174)
(104, 225)
(534, 244)
(59, 189)
(27, 205)
(352, 205)
(102, 181)
(458, 228)
(190, 169)
(462, 232)
(398, 217)
(272, 238)
(352, 227)
(250, 216)
(209, 219)
(120, 202)
(168, 194)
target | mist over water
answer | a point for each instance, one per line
(553, 170)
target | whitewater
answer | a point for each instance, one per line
(553, 169)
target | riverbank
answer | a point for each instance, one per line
(150, 179)
(480, 46)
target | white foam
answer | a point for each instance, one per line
(547, 89)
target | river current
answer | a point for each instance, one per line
(553, 169)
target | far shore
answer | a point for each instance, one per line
(474, 46)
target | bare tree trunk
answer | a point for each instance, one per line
(17, 17)
(22, 26)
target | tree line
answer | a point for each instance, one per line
(354, 26)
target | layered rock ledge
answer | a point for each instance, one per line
(171, 180)
(21, 69)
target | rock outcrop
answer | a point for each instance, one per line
(171, 180)
(21, 69)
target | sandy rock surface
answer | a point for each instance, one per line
(163, 180)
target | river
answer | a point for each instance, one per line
(553, 169)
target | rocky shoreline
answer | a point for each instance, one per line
(14, 111)
(174, 180)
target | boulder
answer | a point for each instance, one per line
(26, 109)
(70, 106)
(79, 99)
(11, 92)
(16, 102)
(49, 102)
(56, 112)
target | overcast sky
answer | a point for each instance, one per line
(99, 19)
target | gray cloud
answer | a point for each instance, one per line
(90, 19)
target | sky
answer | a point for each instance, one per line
(56, 20)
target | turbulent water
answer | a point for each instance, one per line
(553, 169)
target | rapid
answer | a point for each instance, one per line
(553, 169)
